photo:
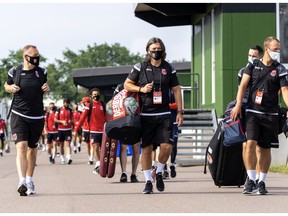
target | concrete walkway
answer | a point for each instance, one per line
(75, 189)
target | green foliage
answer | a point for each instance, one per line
(279, 169)
(60, 73)
(101, 55)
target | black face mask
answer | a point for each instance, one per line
(157, 55)
(53, 108)
(96, 98)
(34, 60)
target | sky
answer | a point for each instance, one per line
(56, 27)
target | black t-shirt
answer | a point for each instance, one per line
(275, 78)
(28, 102)
(164, 78)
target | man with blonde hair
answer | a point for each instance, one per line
(265, 77)
(28, 83)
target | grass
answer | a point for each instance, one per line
(279, 169)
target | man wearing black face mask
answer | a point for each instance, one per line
(27, 120)
(153, 79)
(94, 112)
(52, 132)
(64, 119)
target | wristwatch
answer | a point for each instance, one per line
(181, 111)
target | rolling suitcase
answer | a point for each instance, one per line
(108, 156)
(225, 163)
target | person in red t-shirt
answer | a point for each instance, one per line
(3, 132)
(96, 120)
(76, 118)
(52, 132)
(86, 134)
(64, 118)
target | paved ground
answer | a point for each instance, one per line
(75, 189)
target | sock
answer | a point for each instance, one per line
(22, 180)
(147, 175)
(172, 164)
(252, 174)
(262, 177)
(257, 176)
(28, 179)
(97, 163)
(153, 163)
(68, 156)
(62, 158)
(160, 167)
(91, 158)
(79, 145)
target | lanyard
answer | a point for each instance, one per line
(154, 77)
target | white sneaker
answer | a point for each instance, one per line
(96, 170)
(30, 188)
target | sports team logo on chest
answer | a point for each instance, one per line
(164, 72)
(36, 73)
(273, 73)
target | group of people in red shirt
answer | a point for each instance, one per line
(65, 126)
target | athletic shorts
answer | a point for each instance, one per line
(79, 132)
(86, 136)
(52, 137)
(24, 129)
(64, 135)
(263, 129)
(95, 138)
(156, 130)
(2, 137)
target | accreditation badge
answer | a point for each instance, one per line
(157, 97)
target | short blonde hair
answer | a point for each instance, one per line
(25, 48)
(268, 40)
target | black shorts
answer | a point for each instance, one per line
(263, 129)
(24, 129)
(156, 130)
(2, 137)
(52, 137)
(79, 132)
(96, 138)
(64, 135)
(86, 136)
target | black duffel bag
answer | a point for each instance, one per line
(126, 129)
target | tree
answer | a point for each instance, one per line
(101, 55)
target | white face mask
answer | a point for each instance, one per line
(274, 55)
(251, 59)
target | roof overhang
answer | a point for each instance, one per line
(109, 77)
(170, 14)
(178, 14)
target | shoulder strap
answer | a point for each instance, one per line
(16, 79)
(144, 66)
(17, 74)
(260, 81)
